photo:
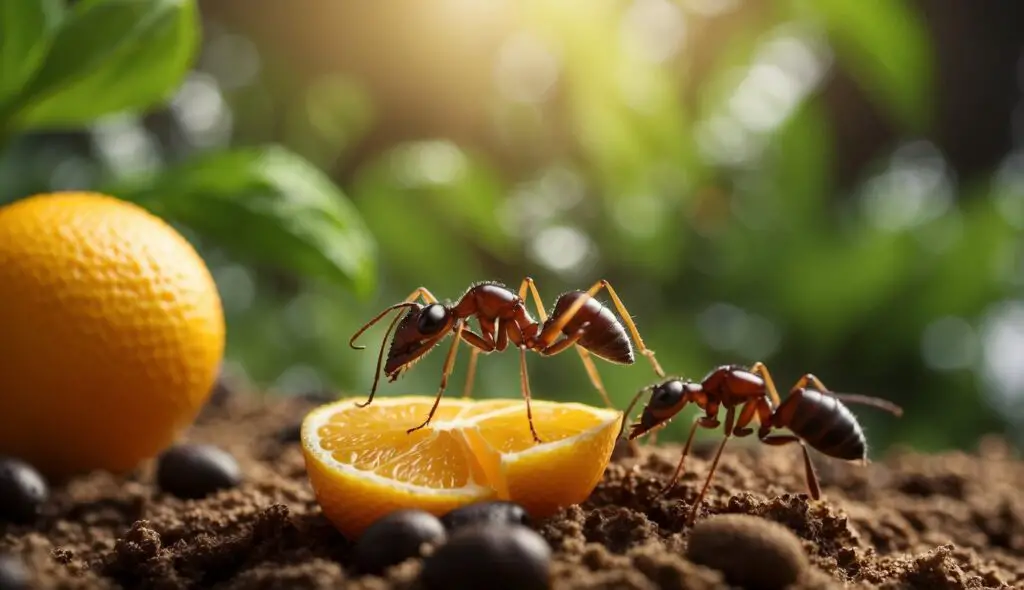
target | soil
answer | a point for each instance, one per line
(944, 521)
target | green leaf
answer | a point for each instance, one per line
(110, 56)
(26, 29)
(270, 206)
(885, 46)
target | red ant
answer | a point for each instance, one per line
(814, 415)
(580, 319)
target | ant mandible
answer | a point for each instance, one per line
(815, 415)
(577, 317)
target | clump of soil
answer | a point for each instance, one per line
(948, 521)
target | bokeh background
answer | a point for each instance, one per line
(834, 187)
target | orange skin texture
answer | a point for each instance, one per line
(113, 333)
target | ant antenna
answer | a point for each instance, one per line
(629, 408)
(380, 353)
(881, 404)
(351, 341)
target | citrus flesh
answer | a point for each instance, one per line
(362, 464)
(113, 333)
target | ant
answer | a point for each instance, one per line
(815, 415)
(578, 318)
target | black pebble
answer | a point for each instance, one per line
(22, 491)
(394, 538)
(494, 512)
(13, 573)
(496, 557)
(192, 471)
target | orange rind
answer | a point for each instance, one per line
(113, 333)
(362, 464)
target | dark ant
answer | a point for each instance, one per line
(815, 416)
(580, 319)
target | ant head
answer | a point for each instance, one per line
(667, 399)
(417, 333)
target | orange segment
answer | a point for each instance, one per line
(508, 430)
(578, 441)
(489, 405)
(362, 464)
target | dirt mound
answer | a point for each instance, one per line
(946, 521)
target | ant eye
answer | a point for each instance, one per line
(668, 394)
(432, 319)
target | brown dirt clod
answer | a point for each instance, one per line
(947, 521)
(751, 552)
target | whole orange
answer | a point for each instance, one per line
(111, 333)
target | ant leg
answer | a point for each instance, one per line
(626, 317)
(730, 416)
(423, 292)
(632, 404)
(564, 343)
(588, 365)
(703, 421)
(529, 284)
(595, 380)
(759, 368)
(486, 344)
(552, 330)
(810, 476)
(525, 384)
(479, 344)
(856, 398)
(747, 414)
(449, 362)
(595, 377)
(467, 389)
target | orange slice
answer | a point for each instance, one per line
(362, 464)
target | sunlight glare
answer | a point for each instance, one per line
(526, 69)
(1003, 349)
(428, 163)
(200, 109)
(785, 69)
(916, 188)
(642, 215)
(530, 205)
(562, 249)
(710, 7)
(125, 145)
(723, 140)
(655, 30)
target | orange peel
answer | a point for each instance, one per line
(362, 464)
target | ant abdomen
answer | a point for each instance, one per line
(824, 423)
(604, 336)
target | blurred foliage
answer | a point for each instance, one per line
(687, 151)
(69, 66)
